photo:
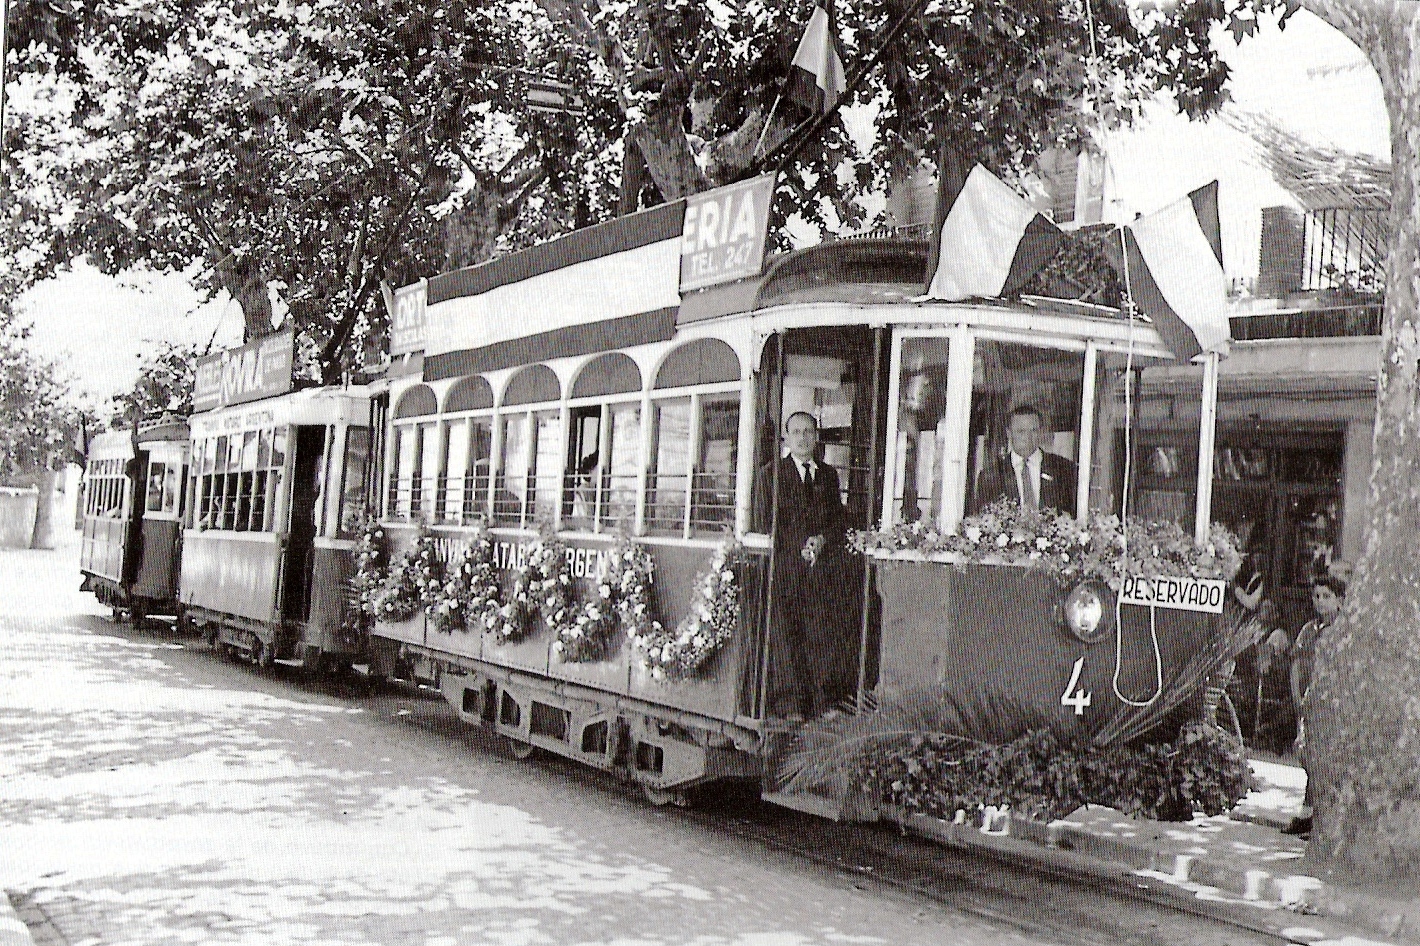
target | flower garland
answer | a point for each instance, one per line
(1102, 548)
(365, 584)
(622, 601)
(414, 583)
(711, 623)
(468, 600)
(541, 587)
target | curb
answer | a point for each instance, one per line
(13, 932)
(1182, 877)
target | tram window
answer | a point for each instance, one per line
(713, 496)
(352, 492)
(669, 476)
(154, 500)
(621, 470)
(919, 474)
(476, 474)
(1162, 403)
(449, 505)
(425, 491)
(402, 485)
(547, 467)
(1024, 397)
(511, 491)
(584, 467)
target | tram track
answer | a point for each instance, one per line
(994, 887)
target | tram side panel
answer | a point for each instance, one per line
(233, 574)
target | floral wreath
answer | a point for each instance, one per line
(1103, 548)
(369, 577)
(682, 653)
(469, 599)
(413, 583)
(541, 587)
(622, 600)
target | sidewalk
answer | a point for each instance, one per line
(1239, 863)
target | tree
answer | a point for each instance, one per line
(317, 147)
(1363, 710)
(164, 386)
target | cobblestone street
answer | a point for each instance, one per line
(154, 794)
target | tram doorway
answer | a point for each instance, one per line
(823, 618)
(300, 537)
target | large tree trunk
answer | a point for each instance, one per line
(1363, 711)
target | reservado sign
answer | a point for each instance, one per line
(1184, 594)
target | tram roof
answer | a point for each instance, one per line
(315, 405)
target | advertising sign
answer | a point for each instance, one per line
(723, 235)
(409, 322)
(1184, 594)
(257, 370)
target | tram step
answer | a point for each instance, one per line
(289, 662)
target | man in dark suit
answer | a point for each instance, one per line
(1027, 474)
(810, 669)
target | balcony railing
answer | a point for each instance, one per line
(1345, 249)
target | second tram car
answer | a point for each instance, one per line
(275, 495)
(574, 387)
(131, 545)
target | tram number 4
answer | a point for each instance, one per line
(1077, 698)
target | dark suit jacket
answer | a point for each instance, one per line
(1057, 483)
(803, 511)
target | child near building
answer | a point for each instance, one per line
(1327, 594)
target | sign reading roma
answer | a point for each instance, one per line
(257, 370)
(723, 235)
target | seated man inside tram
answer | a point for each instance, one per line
(812, 661)
(1027, 474)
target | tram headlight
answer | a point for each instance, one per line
(1085, 612)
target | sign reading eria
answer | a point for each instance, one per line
(1184, 594)
(723, 236)
(257, 370)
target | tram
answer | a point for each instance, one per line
(582, 389)
(131, 541)
(274, 498)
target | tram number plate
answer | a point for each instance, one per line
(1184, 594)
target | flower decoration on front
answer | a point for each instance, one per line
(684, 652)
(541, 588)
(1102, 548)
(469, 599)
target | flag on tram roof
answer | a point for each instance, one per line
(1175, 272)
(990, 240)
(816, 75)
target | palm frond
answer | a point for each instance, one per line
(1236, 631)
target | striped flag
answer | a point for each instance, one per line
(1175, 272)
(990, 241)
(816, 75)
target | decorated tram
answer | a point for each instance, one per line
(275, 491)
(587, 482)
(131, 540)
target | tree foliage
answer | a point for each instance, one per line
(39, 423)
(323, 147)
(164, 386)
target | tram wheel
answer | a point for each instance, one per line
(265, 654)
(660, 797)
(522, 751)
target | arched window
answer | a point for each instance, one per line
(418, 401)
(529, 470)
(703, 361)
(614, 373)
(691, 481)
(535, 384)
(468, 448)
(469, 394)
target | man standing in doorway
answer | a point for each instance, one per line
(809, 668)
(1027, 474)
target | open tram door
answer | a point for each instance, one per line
(307, 466)
(822, 621)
